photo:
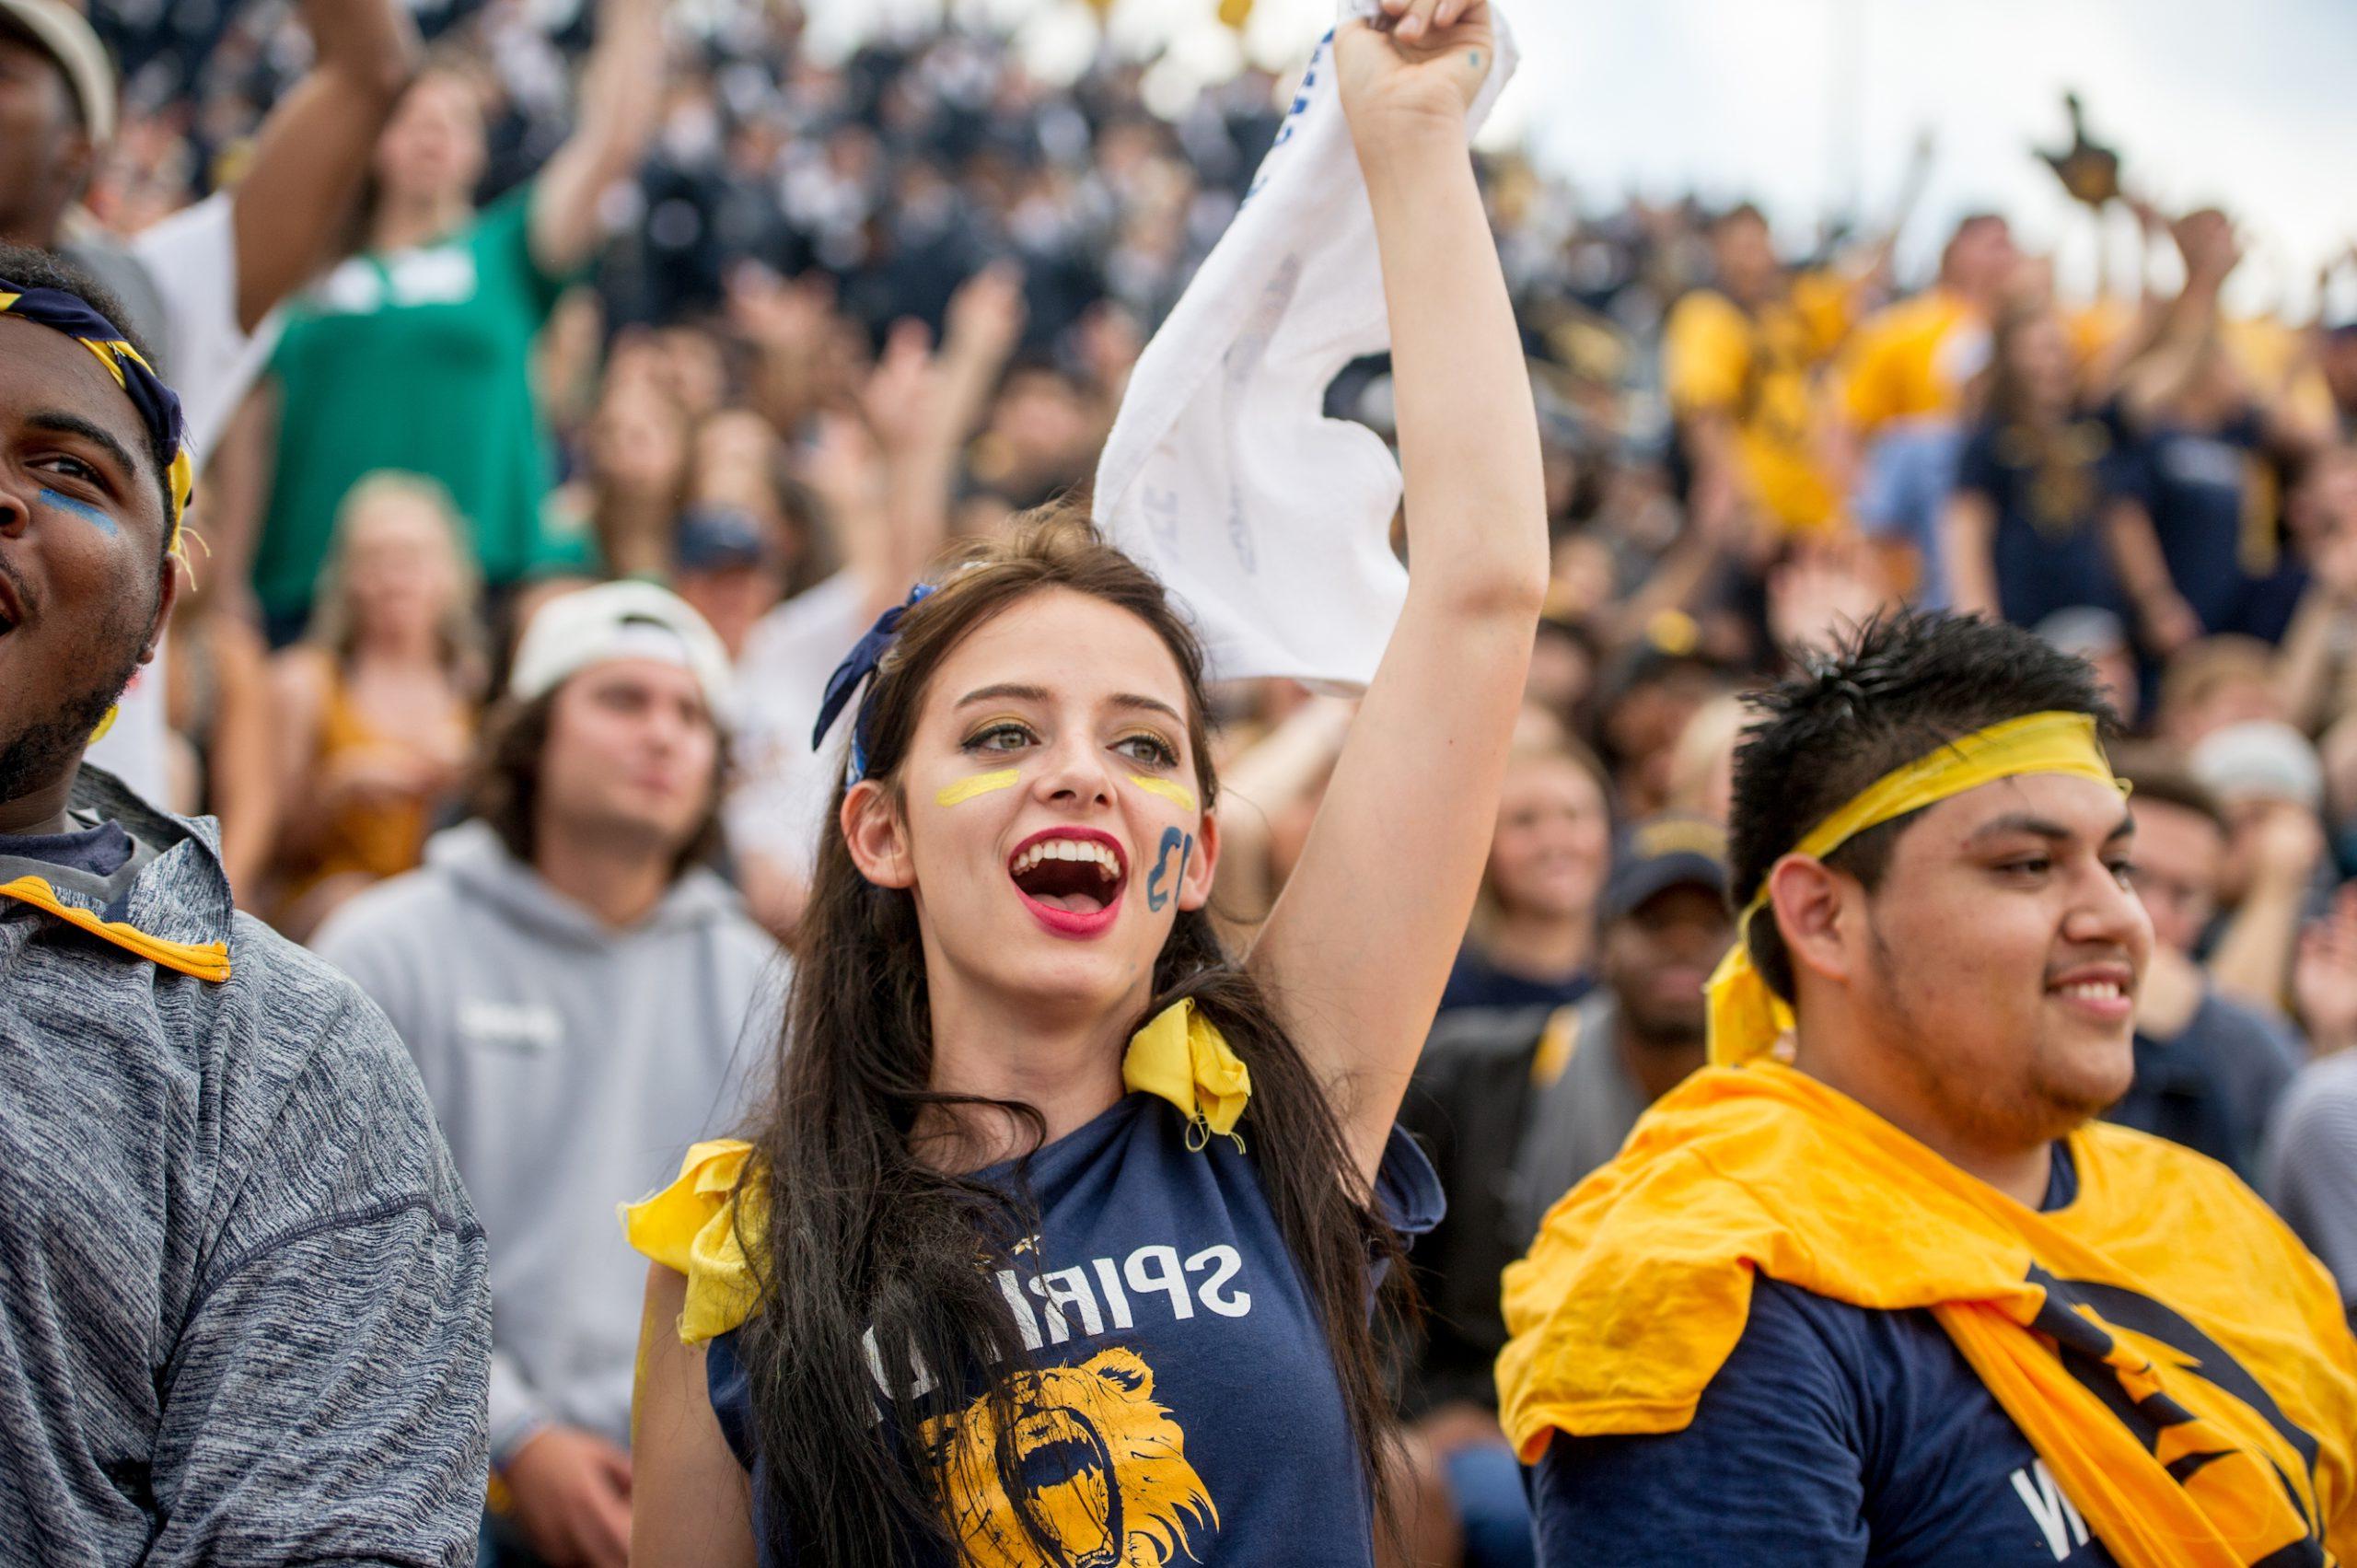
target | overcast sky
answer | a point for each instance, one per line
(1805, 105)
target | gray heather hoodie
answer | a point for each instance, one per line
(571, 1065)
(242, 1306)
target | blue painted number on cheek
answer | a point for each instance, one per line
(81, 509)
(1156, 895)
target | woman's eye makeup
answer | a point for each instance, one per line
(999, 735)
(1144, 746)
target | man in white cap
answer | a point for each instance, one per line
(577, 987)
(200, 286)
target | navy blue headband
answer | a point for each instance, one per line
(160, 409)
(860, 664)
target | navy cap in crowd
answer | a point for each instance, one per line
(714, 538)
(1661, 853)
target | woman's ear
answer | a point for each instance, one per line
(876, 837)
(1195, 876)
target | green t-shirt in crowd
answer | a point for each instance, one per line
(417, 360)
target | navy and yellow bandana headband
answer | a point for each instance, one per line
(158, 406)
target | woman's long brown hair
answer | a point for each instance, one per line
(865, 1237)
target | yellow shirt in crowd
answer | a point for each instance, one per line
(1760, 369)
(1914, 360)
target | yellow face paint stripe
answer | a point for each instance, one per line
(1165, 788)
(981, 783)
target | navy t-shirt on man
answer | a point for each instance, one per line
(1833, 1435)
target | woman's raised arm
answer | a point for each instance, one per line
(620, 102)
(1359, 945)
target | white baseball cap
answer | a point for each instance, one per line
(62, 30)
(2259, 760)
(617, 621)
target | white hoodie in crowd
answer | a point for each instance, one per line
(570, 1065)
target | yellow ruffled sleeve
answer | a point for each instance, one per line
(691, 1227)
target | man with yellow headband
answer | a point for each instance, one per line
(243, 1311)
(1874, 1287)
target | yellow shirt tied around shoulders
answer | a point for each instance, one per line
(691, 1227)
(1759, 368)
(2163, 1341)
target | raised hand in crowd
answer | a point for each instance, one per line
(790, 324)
(2285, 846)
(313, 150)
(622, 98)
(1819, 594)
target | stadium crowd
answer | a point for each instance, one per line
(627, 325)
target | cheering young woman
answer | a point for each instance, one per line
(1058, 1241)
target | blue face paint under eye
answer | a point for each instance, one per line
(81, 509)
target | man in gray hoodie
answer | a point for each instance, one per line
(243, 1307)
(581, 994)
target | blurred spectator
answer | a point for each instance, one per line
(2310, 1169)
(2024, 535)
(225, 728)
(885, 480)
(2201, 549)
(2209, 1069)
(1648, 695)
(1563, 669)
(1739, 361)
(574, 982)
(636, 475)
(728, 564)
(2218, 682)
(2101, 638)
(1533, 939)
(200, 284)
(2337, 362)
(2268, 783)
(1906, 377)
(416, 356)
(1702, 772)
(1517, 1105)
(376, 704)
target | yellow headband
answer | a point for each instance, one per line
(1745, 1015)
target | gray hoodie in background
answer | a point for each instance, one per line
(571, 1065)
(242, 1308)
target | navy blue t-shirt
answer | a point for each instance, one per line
(1834, 1434)
(2213, 1087)
(101, 851)
(2196, 486)
(1475, 982)
(1182, 1405)
(2047, 552)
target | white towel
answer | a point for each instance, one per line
(1270, 522)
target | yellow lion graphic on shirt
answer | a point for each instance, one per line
(1090, 1473)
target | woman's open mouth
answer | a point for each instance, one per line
(1070, 878)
